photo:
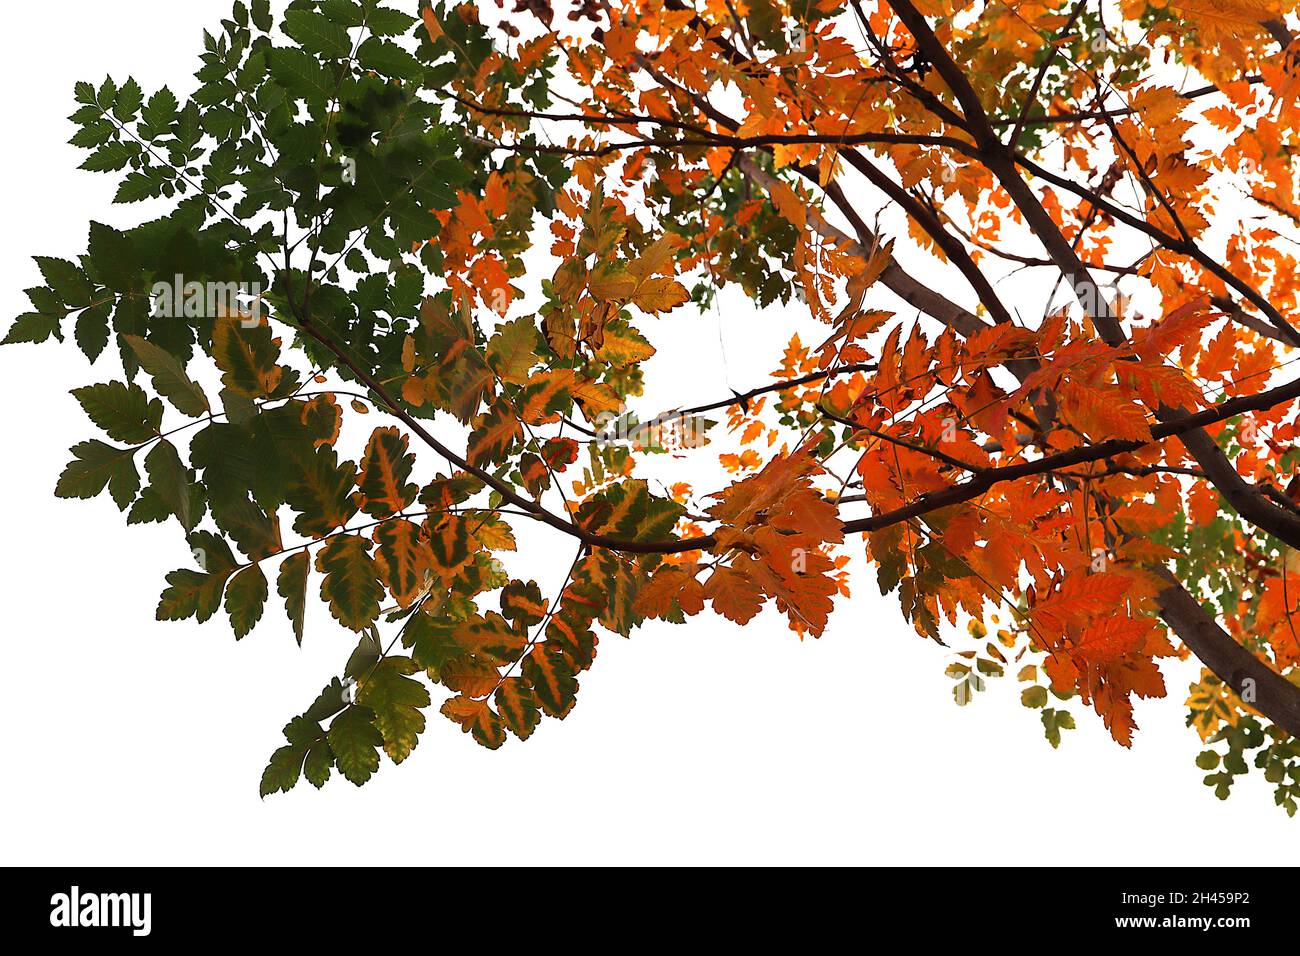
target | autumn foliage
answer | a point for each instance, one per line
(1050, 249)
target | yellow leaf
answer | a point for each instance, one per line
(660, 294)
(657, 257)
(611, 283)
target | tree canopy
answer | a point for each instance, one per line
(1051, 245)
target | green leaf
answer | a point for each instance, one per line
(383, 22)
(170, 479)
(292, 586)
(317, 34)
(264, 456)
(93, 135)
(388, 58)
(128, 100)
(67, 280)
(92, 329)
(412, 221)
(316, 768)
(124, 411)
(169, 377)
(32, 327)
(282, 772)
(188, 127)
(432, 641)
(255, 532)
(139, 186)
(1054, 721)
(344, 12)
(113, 256)
(511, 353)
(355, 742)
(332, 698)
(189, 594)
(300, 73)
(364, 656)
(47, 302)
(262, 15)
(148, 509)
(245, 599)
(238, 408)
(351, 585)
(1035, 696)
(198, 593)
(108, 158)
(107, 93)
(159, 113)
(396, 700)
(303, 755)
(98, 465)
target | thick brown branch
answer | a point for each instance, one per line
(1172, 243)
(1250, 678)
(985, 480)
(895, 278)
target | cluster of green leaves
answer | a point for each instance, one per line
(311, 166)
(384, 711)
(1212, 554)
(1276, 753)
(932, 563)
(505, 668)
(462, 49)
(1209, 552)
(756, 251)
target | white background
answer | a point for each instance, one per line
(127, 741)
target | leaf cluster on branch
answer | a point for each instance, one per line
(1077, 484)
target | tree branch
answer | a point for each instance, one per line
(1264, 689)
